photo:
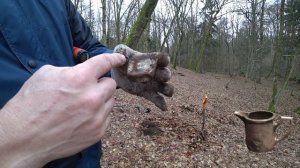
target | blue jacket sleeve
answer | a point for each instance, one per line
(82, 34)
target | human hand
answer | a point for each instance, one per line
(58, 112)
(145, 75)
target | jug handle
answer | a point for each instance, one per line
(278, 139)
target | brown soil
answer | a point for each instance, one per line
(141, 135)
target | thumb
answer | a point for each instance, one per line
(100, 64)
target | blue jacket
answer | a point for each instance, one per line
(38, 32)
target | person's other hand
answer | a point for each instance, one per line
(58, 112)
(145, 75)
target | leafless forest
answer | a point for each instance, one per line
(244, 54)
(256, 39)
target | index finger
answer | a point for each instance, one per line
(99, 65)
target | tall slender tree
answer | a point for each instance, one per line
(278, 54)
(141, 23)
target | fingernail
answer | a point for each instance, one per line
(123, 58)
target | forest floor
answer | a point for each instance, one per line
(140, 135)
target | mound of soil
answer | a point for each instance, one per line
(140, 135)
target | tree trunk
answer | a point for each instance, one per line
(207, 31)
(76, 4)
(104, 17)
(90, 14)
(261, 43)
(108, 25)
(130, 14)
(141, 23)
(211, 10)
(117, 11)
(178, 48)
(253, 58)
(178, 8)
(278, 54)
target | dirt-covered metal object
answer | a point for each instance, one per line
(145, 75)
(141, 66)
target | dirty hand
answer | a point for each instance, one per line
(145, 75)
(58, 112)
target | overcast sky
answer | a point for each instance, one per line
(97, 4)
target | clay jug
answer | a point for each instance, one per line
(260, 129)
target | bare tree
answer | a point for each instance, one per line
(261, 43)
(117, 7)
(104, 18)
(211, 11)
(76, 3)
(141, 23)
(131, 14)
(204, 38)
(178, 7)
(179, 28)
(278, 53)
